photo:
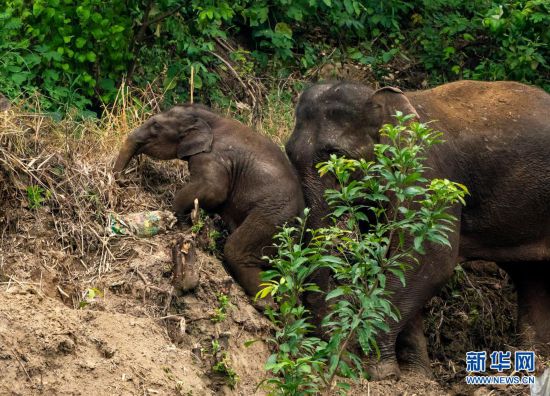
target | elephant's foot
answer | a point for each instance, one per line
(387, 368)
(412, 349)
(417, 368)
(413, 357)
(533, 304)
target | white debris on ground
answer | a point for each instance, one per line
(141, 224)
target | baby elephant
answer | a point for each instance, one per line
(235, 172)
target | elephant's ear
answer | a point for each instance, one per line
(387, 101)
(196, 137)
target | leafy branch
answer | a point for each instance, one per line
(385, 217)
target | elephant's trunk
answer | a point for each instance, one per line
(126, 153)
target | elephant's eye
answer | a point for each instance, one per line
(156, 127)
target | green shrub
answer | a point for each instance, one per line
(222, 365)
(220, 313)
(521, 31)
(359, 261)
(68, 52)
(485, 40)
(78, 54)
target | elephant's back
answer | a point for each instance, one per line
(464, 107)
(266, 158)
(261, 174)
(231, 136)
(497, 143)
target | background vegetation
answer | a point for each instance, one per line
(78, 54)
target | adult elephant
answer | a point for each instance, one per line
(497, 143)
(235, 172)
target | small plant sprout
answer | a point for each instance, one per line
(213, 236)
(382, 220)
(222, 365)
(90, 296)
(220, 313)
(36, 196)
(196, 228)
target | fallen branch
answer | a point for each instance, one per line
(247, 90)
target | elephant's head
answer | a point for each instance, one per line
(180, 132)
(338, 118)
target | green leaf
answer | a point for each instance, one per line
(37, 8)
(399, 274)
(80, 42)
(414, 190)
(248, 343)
(107, 84)
(51, 74)
(32, 60)
(91, 56)
(339, 211)
(283, 29)
(198, 82)
(331, 259)
(387, 56)
(263, 293)
(19, 78)
(271, 362)
(170, 83)
(335, 293)
(295, 12)
(440, 239)
(418, 241)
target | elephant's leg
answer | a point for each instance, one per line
(209, 198)
(412, 348)
(532, 281)
(315, 302)
(209, 184)
(405, 337)
(424, 279)
(245, 248)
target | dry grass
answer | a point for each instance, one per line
(59, 175)
(276, 117)
(56, 179)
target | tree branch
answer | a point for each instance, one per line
(140, 35)
(165, 15)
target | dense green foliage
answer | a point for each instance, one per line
(76, 53)
(68, 52)
(484, 40)
(405, 211)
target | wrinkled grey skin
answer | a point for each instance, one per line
(235, 172)
(497, 143)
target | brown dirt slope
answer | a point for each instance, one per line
(83, 312)
(116, 345)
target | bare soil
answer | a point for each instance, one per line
(119, 343)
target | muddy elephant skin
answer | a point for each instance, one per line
(497, 143)
(235, 172)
